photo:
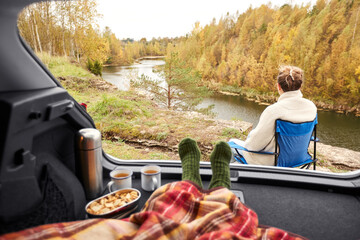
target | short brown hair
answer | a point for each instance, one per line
(290, 78)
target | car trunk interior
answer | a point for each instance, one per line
(40, 175)
(38, 155)
(315, 210)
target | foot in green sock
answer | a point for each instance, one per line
(190, 160)
(220, 159)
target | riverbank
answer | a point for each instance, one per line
(131, 63)
(267, 98)
(134, 127)
(270, 98)
(132, 118)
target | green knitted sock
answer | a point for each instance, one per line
(220, 159)
(190, 160)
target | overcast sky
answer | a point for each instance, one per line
(168, 18)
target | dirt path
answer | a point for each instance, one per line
(336, 158)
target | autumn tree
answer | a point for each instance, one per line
(245, 50)
(177, 87)
(65, 28)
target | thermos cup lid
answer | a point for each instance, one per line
(88, 139)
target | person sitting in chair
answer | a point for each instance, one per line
(291, 106)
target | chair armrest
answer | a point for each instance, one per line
(314, 140)
(234, 145)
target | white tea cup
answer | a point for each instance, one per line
(150, 177)
(120, 179)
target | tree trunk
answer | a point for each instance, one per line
(37, 34)
(77, 54)
(169, 88)
(169, 97)
(32, 31)
(356, 20)
(63, 12)
(71, 32)
(48, 26)
(64, 47)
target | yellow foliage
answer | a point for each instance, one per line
(357, 71)
(321, 39)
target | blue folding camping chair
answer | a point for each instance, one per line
(292, 143)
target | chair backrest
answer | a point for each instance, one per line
(293, 141)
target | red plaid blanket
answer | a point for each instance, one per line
(178, 210)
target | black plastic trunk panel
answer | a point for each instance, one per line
(310, 213)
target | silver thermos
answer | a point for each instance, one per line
(90, 160)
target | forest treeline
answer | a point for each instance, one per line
(241, 50)
(69, 28)
(246, 49)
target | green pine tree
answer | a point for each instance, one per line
(182, 88)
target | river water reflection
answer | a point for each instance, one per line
(120, 75)
(334, 129)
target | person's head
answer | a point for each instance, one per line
(290, 78)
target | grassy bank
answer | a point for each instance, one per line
(129, 119)
(63, 67)
(133, 127)
(87, 88)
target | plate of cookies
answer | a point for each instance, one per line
(116, 204)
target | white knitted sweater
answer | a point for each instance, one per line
(291, 106)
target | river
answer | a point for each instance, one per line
(333, 129)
